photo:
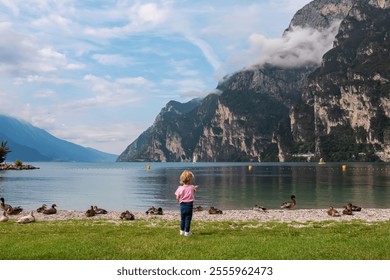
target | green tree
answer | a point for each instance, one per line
(4, 150)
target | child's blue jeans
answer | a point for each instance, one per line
(186, 209)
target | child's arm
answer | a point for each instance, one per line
(196, 188)
(177, 198)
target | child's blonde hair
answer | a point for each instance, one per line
(187, 177)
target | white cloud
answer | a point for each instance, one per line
(299, 47)
(11, 5)
(41, 79)
(139, 81)
(114, 138)
(113, 59)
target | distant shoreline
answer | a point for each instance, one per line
(297, 215)
(13, 166)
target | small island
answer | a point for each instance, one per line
(15, 166)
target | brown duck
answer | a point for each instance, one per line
(99, 210)
(127, 215)
(40, 209)
(90, 212)
(213, 210)
(9, 209)
(50, 211)
(333, 212)
(289, 204)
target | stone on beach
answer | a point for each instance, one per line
(297, 215)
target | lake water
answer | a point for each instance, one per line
(121, 186)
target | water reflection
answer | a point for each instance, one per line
(119, 186)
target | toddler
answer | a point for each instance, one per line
(185, 195)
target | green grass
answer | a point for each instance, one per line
(159, 240)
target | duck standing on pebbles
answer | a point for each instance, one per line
(213, 210)
(198, 208)
(259, 208)
(154, 211)
(127, 215)
(10, 210)
(4, 217)
(333, 212)
(347, 209)
(50, 211)
(99, 210)
(27, 219)
(90, 212)
(354, 207)
(40, 209)
(289, 204)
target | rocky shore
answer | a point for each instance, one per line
(297, 215)
(13, 166)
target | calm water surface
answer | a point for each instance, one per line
(120, 186)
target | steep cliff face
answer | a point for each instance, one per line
(350, 91)
(337, 109)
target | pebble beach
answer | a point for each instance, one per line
(294, 215)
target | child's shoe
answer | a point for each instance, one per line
(182, 232)
(188, 233)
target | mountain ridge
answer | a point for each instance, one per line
(30, 143)
(271, 112)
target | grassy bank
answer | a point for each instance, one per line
(159, 239)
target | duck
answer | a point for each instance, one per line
(259, 208)
(289, 204)
(4, 218)
(127, 215)
(27, 219)
(5, 206)
(90, 212)
(347, 210)
(198, 208)
(213, 210)
(354, 207)
(9, 209)
(14, 211)
(333, 212)
(99, 210)
(40, 209)
(151, 210)
(50, 211)
(154, 211)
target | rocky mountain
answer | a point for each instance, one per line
(29, 143)
(334, 106)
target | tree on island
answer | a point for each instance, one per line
(4, 150)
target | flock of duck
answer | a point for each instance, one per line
(348, 209)
(127, 215)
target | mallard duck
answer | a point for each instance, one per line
(198, 208)
(9, 209)
(43, 207)
(27, 219)
(347, 210)
(4, 206)
(50, 211)
(154, 211)
(289, 204)
(99, 210)
(14, 211)
(4, 217)
(333, 212)
(213, 210)
(259, 208)
(90, 212)
(353, 207)
(127, 215)
(151, 210)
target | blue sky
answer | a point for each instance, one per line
(97, 73)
